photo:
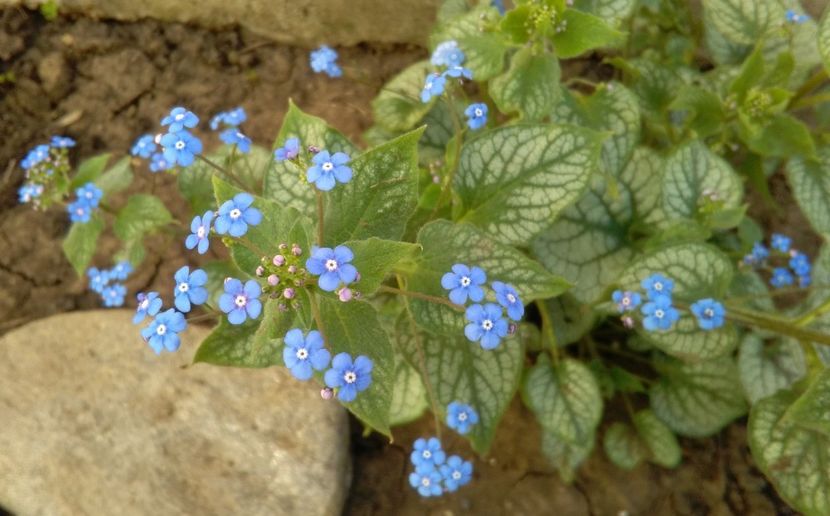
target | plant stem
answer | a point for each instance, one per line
(425, 297)
(780, 326)
(252, 246)
(812, 315)
(459, 131)
(319, 217)
(223, 171)
(547, 331)
(812, 100)
(816, 80)
(202, 317)
(315, 312)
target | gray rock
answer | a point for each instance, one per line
(297, 22)
(94, 423)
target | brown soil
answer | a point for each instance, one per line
(106, 83)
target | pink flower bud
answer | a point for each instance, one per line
(511, 329)
(279, 260)
(326, 393)
(345, 294)
(292, 269)
(283, 246)
(288, 293)
(282, 308)
(313, 149)
(627, 321)
(260, 270)
(273, 280)
(357, 277)
(296, 250)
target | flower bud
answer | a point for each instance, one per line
(296, 250)
(288, 293)
(511, 329)
(259, 271)
(273, 280)
(283, 246)
(282, 308)
(344, 294)
(292, 269)
(326, 393)
(279, 260)
(627, 321)
(313, 149)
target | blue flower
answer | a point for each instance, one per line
(241, 301)
(427, 480)
(800, 264)
(324, 60)
(781, 277)
(180, 148)
(236, 214)
(781, 242)
(163, 331)
(178, 119)
(231, 118)
(427, 452)
(234, 136)
(460, 417)
(710, 314)
(98, 279)
(660, 314)
(303, 355)
(332, 265)
(144, 146)
(499, 5)
(658, 285)
(758, 254)
(148, 304)
(200, 236)
(158, 163)
(456, 472)
(79, 211)
(190, 288)
(507, 297)
(62, 142)
(121, 271)
(464, 282)
(476, 116)
(327, 168)
(113, 295)
(90, 194)
(458, 72)
(28, 192)
(433, 86)
(626, 301)
(804, 281)
(35, 156)
(289, 150)
(349, 377)
(487, 325)
(794, 17)
(447, 54)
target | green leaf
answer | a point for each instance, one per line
(612, 11)
(445, 244)
(744, 21)
(255, 343)
(810, 181)
(661, 442)
(782, 136)
(381, 196)
(483, 49)
(354, 328)
(89, 170)
(80, 244)
(311, 130)
(460, 370)
(723, 51)
(583, 32)
(279, 225)
(699, 271)
(375, 259)
(767, 367)
(196, 186)
(824, 38)
(810, 410)
(705, 114)
(697, 400)
(571, 319)
(515, 180)
(141, 215)
(117, 178)
(565, 398)
(530, 86)
(589, 244)
(795, 458)
(623, 446)
(409, 396)
(692, 173)
(565, 456)
(398, 106)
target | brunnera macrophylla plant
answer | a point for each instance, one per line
(579, 238)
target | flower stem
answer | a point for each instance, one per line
(425, 297)
(315, 312)
(458, 139)
(812, 315)
(320, 213)
(777, 325)
(547, 331)
(252, 246)
(202, 317)
(223, 171)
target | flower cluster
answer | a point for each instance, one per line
(334, 268)
(659, 312)
(487, 324)
(284, 274)
(435, 473)
(451, 57)
(228, 119)
(44, 164)
(324, 171)
(324, 60)
(106, 283)
(180, 146)
(796, 18)
(798, 266)
(87, 199)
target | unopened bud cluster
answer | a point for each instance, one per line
(283, 273)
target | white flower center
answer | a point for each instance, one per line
(235, 213)
(180, 145)
(709, 313)
(350, 377)
(659, 313)
(626, 301)
(658, 287)
(456, 475)
(144, 304)
(478, 112)
(200, 232)
(328, 166)
(427, 454)
(511, 298)
(79, 211)
(331, 265)
(179, 117)
(183, 287)
(302, 353)
(465, 281)
(428, 85)
(487, 324)
(161, 329)
(425, 481)
(239, 135)
(240, 300)
(462, 416)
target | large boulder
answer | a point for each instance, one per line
(94, 423)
